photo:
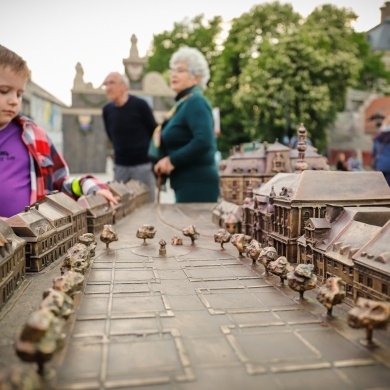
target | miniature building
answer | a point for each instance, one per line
(40, 236)
(228, 215)
(140, 191)
(122, 193)
(12, 264)
(372, 267)
(331, 243)
(259, 165)
(300, 197)
(78, 213)
(62, 221)
(99, 212)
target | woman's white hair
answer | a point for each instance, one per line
(196, 61)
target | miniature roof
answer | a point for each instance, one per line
(92, 201)
(366, 215)
(120, 189)
(376, 253)
(52, 211)
(7, 236)
(64, 201)
(350, 240)
(335, 186)
(279, 181)
(319, 223)
(30, 223)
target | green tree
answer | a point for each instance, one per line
(302, 77)
(197, 32)
(373, 74)
(265, 22)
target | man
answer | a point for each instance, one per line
(129, 123)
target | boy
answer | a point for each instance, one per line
(30, 166)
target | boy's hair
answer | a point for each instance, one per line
(9, 59)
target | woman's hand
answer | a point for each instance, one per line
(164, 166)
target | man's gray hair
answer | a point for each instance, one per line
(196, 61)
(124, 80)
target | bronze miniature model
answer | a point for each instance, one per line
(371, 315)
(267, 255)
(241, 242)
(77, 259)
(40, 338)
(190, 231)
(176, 241)
(108, 235)
(331, 293)
(146, 231)
(222, 237)
(162, 251)
(20, 377)
(302, 279)
(280, 267)
(59, 303)
(70, 283)
(89, 240)
(253, 250)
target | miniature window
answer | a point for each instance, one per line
(385, 289)
(361, 279)
(369, 282)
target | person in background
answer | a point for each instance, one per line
(354, 163)
(188, 137)
(129, 124)
(30, 165)
(341, 164)
(381, 150)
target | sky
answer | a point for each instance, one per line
(54, 35)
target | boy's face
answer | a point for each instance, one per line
(12, 86)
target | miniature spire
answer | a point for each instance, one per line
(301, 164)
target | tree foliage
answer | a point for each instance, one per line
(245, 41)
(196, 32)
(276, 70)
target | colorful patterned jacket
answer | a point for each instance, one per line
(48, 169)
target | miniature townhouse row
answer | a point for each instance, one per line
(337, 221)
(44, 232)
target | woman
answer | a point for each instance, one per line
(188, 138)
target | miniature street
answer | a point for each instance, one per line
(196, 318)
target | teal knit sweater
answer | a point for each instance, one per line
(189, 140)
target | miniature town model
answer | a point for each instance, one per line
(337, 221)
(45, 231)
